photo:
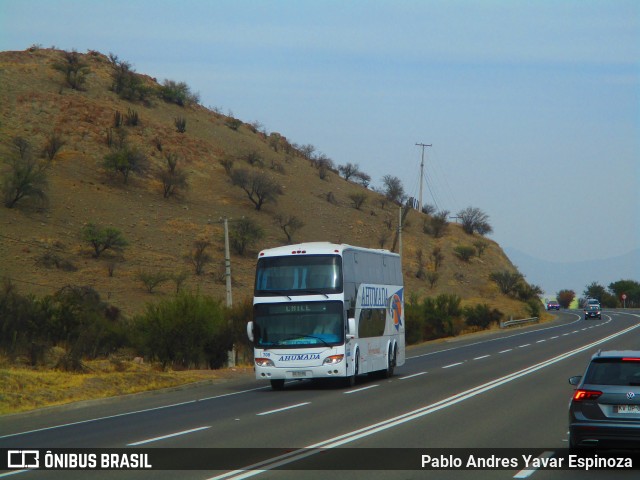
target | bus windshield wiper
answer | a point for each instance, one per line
(313, 292)
(279, 293)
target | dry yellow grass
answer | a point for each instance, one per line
(25, 389)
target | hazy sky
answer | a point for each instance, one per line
(533, 108)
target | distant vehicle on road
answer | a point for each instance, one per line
(592, 311)
(592, 301)
(553, 305)
(605, 408)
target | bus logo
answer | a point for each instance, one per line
(396, 310)
(299, 356)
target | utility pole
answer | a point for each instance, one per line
(400, 232)
(227, 273)
(227, 262)
(422, 170)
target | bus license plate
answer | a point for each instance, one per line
(299, 373)
(628, 409)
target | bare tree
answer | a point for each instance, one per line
(393, 189)
(289, 224)
(475, 220)
(152, 279)
(259, 188)
(436, 258)
(349, 170)
(24, 178)
(358, 199)
(52, 146)
(198, 256)
(172, 177)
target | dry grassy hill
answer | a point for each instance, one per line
(35, 103)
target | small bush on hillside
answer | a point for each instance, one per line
(103, 238)
(124, 161)
(464, 252)
(178, 93)
(181, 124)
(244, 234)
(173, 178)
(53, 145)
(74, 69)
(126, 83)
(481, 246)
(436, 225)
(152, 279)
(437, 257)
(131, 119)
(233, 123)
(506, 280)
(358, 199)
(24, 178)
(198, 256)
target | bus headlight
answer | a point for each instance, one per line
(264, 362)
(333, 360)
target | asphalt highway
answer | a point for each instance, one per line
(484, 393)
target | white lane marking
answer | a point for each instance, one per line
(149, 440)
(284, 408)
(483, 356)
(295, 455)
(453, 365)
(507, 350)
(527, 472)
(361, 389)
(525, 345)
(124, 414)
(498, 338)
(540, 341)
(13, 473)
(80, 422)
(552, 338)
(411, 376)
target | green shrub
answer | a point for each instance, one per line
(188, 330)
(481, 315)
(464, 252)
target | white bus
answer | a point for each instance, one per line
(322, 310)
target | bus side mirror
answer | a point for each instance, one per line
(250, 331)
(351, 328)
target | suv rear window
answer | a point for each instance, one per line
(614, 371)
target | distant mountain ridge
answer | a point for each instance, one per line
(555, 276)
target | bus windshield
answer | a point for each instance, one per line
(296, 324)
(299, 275)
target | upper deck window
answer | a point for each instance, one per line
(299, 275)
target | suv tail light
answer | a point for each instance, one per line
(581, 394)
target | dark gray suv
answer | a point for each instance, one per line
(605, 409)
